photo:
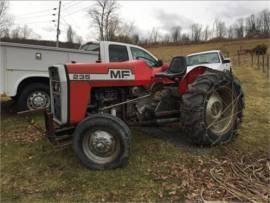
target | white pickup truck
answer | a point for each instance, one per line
(213, 59)
(24, 68)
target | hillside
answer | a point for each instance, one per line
(167, 52)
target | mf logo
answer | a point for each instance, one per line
(120, 74)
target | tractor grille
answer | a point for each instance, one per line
(58, 88)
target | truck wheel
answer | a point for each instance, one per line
(212, 108)
(34, 96)
(102, 141)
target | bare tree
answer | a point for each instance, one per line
(136, 38)
(220, 28)
(154, 35)
(206, 33)
(265, 19)
(230, 32)
(196, 31)
(16, 33)
(78, 39)
(23, 33)
(125, 32)
(251, 26)
(239, 28)
(126, 29)
(70, 34)
(166, 38)
(5, 33)
(26, 32)
(185, 37)
(5, 18)
(104, 16)
(176, 33)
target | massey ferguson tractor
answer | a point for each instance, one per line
(93, 106)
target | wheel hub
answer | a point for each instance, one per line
(102, 143)
(220, 111)
(214, 107)
(38, 100)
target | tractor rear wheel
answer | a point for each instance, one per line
(212, 108)
(102, 141)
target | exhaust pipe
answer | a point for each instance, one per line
(167, 113)
(158, 121)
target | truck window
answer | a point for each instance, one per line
(90, 47)
(203, 59)
(137, 53)
(118, 53)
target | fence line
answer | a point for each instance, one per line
(258, 62)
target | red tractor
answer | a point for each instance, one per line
(93, 105)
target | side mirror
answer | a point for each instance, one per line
(159, 63)
(226, 61)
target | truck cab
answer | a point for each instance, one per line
(118, 52)
(213, 59)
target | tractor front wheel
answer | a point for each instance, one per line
(212, 108)
(102, 141)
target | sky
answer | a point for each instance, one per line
(145, 15)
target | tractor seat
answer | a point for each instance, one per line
(176, 69)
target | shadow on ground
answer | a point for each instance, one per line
(171, 134)
(174, 135)
(8, 107)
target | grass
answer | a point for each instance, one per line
(33, 171)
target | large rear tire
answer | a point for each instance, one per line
(212, 108)
(102, 141)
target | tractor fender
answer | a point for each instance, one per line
(190, 77)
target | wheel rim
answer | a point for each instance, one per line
(220, 111)
(101, 146)
(38, 99)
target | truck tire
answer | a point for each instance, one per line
(34, 96)
(212, 108)
(102, 141)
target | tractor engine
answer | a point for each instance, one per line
(136, 105)
(102, 97)
(163, 107)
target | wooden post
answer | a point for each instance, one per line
(258, 62)
(268, 66)
(252, 60)
(238, 53)
(263, 63)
